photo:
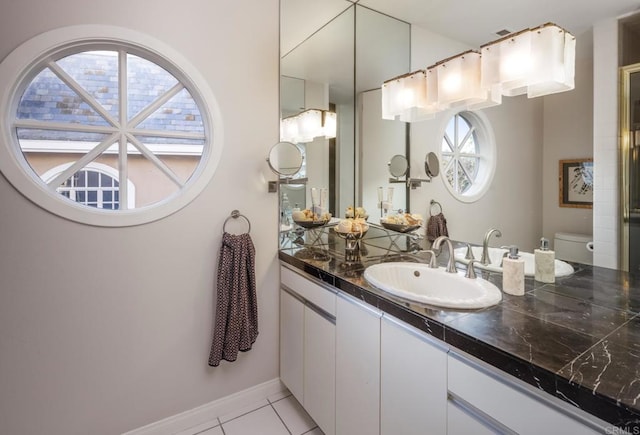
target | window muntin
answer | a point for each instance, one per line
(467, 152)
(23, 137)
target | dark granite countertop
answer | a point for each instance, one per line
(577, 339)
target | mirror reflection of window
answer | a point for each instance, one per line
(467, 154)
(460, 153)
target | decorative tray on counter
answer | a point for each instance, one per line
(312, 224)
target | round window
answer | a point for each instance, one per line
(467, 156)
(117, 100)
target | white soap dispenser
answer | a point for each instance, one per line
(545, 260)
(513, 273)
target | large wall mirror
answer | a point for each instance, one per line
(340, 54)
(339, 65)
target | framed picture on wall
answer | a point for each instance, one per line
(576, 183)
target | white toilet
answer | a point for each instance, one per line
(574, 247)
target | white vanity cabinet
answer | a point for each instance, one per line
(308, 346)
(413, 376)
(357, 368)
(482, 400)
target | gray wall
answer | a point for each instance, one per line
(105, 330)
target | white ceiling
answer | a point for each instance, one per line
(473, 22)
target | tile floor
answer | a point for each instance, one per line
(277, 415)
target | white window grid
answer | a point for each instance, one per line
(93, 189)
(462, 152)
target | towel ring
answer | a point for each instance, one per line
(433, 202)
(235, 214)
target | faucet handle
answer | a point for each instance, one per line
(432, 259)
(469, 254)
(471, 273)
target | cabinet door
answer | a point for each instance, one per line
(357, 368)
(320, 369)
(413, 380)
(517, 406)
(291, 343)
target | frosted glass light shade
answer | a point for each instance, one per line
(417, 107)
(535, 62)
(405, 98)
(515, 64)
(458, 79)
(553, 53)
(289, 130)
(330, 124)
(490, 66)
(390, 100)
(309, 125)
(459, 83)
(432, 87)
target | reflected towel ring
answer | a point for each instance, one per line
(433, 202)
(235, 214)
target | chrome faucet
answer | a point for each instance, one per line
(485, 260)
(451, 264)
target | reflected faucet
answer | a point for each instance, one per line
(485, 260)
(451, 264)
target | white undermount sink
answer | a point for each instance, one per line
(495, 254)
(419, 283)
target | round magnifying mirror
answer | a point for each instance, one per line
(432, 165)
(285, 159)
(398, 166)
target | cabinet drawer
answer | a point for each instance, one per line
(513, 405)
(323, 298)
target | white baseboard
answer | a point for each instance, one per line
(212, 410)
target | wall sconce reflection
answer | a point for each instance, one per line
(308, 125)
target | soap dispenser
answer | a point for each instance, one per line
(513, 273)
(545, 262)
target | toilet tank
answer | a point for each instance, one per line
(574, 247)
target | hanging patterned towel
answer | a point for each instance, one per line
(236, 323)
(436, 227)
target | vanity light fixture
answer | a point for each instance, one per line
(536, 62)
(308, 125)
